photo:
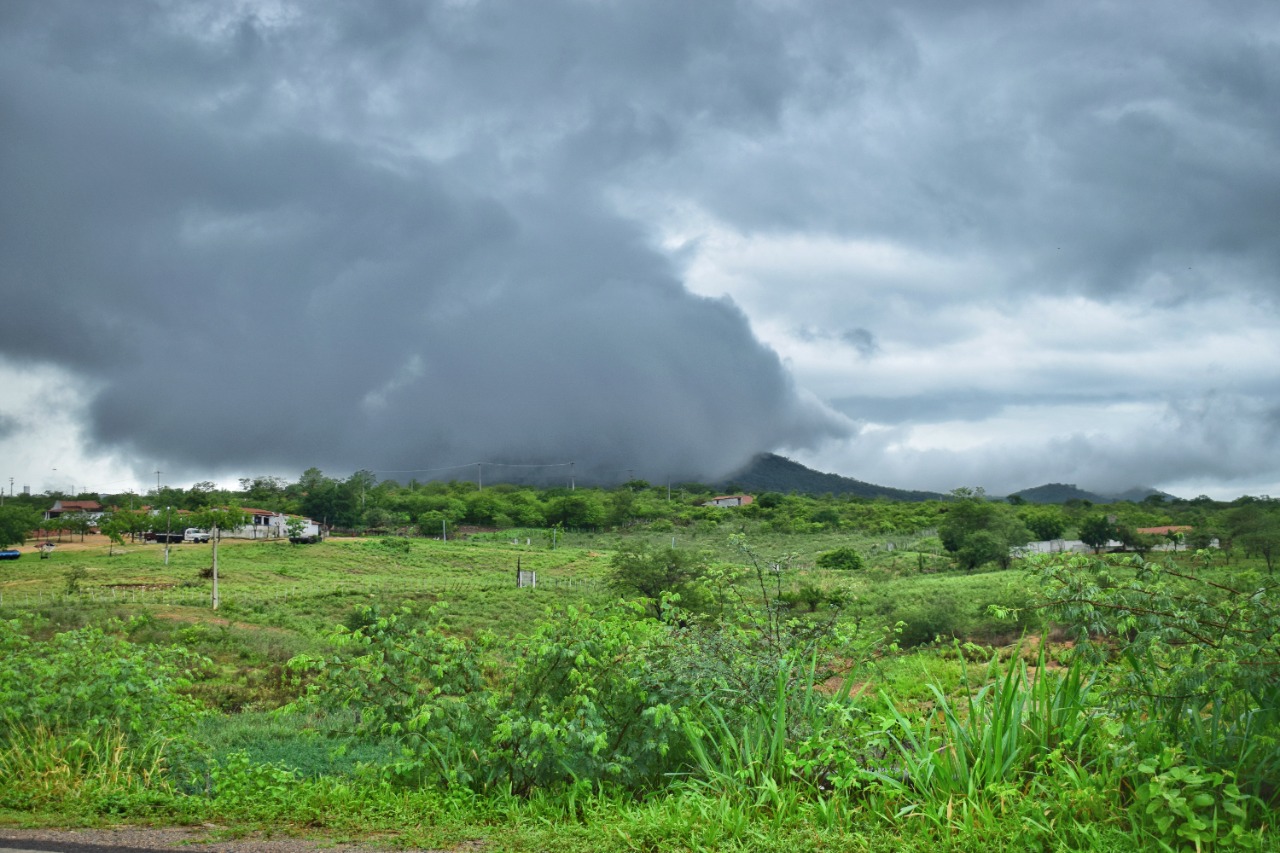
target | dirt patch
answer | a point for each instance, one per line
(195, 619)
(835, 684)
(193, 838)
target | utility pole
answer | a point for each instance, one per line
(479, 481)
(571, 476)
(158, 473)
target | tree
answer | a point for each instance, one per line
(76, 522)
(638, 569)
(16, 522)
(1263, 539)
(1045, 522)
(971, 513)
(115, 525)
(577, 510)
(294, 527)
(1097, 530)
(981, 547)
(1132, 540)
(1255, 527)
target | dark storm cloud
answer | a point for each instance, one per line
(1094, 145)
(403, 234)
(375, 236)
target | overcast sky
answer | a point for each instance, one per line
(925, 245)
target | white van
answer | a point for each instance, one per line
(195, 534)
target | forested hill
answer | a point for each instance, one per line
(1060, 493)
(769, 472)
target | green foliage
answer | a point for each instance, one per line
(1096, 531)
(75, 522)
(981, 547)
(16, 522)
(582, 699)
(841, 559)
(797, 736)
(553, 733)
(103, 772)
(394, 545)
(926, 619)
(637, 569)
(294, 527)
(72, 578)
(85, 682)
(979, 531)
(1189, 807)
(1044, 522)
(251, 790)
(1255, 527)
(1001, 732)
(1132, 540)
(1201, 659)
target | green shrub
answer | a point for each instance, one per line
(85, 681)
(581, 698)
(841, 559)
(926, 619)
(1199, 668)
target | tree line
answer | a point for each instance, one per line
(972, 527)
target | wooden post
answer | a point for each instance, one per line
(215, 566)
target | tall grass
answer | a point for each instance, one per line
(85, 773)
(1001, 732)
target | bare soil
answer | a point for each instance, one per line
(206, 837)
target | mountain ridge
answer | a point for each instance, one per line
(770, 472)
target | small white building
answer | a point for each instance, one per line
(730, 500)
(267, 524)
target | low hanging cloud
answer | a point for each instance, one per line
(337, 238)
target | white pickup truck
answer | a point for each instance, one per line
(195, 534)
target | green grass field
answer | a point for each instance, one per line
(1039, 766)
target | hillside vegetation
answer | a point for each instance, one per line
(807, 673)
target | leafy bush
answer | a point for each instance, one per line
(841, 559)
(85, 681)
(927, 619)
(1185, 805)
(1200, 659)
(582, 698)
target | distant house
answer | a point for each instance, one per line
(268, 524)
(93, 508)
(730, 500)
(1173, 532)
